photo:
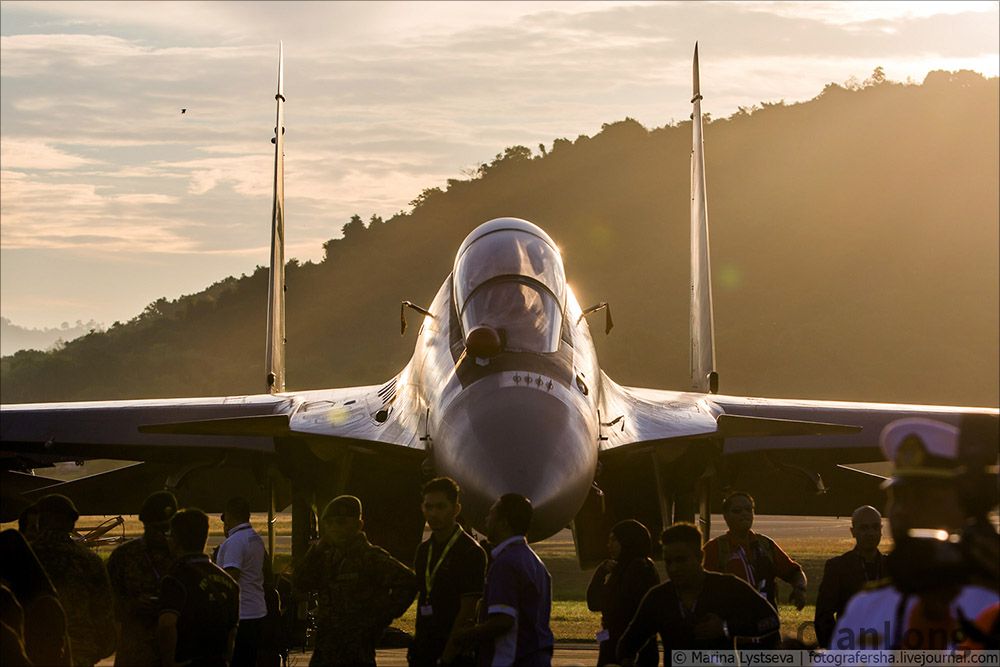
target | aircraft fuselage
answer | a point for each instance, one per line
(523, 417)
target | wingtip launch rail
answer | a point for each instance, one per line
(704, 377)
(274, 364)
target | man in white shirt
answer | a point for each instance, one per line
(242, 557)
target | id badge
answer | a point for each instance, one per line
(426, 610)
(603, 635)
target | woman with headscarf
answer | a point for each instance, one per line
(618, 586)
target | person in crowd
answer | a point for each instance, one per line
(12, 651)
(754, 558)
(199, 602)
(80, 579)
(27, 522)
(451, 569)
(513, 627)
(848, 573)
(618, 586)
(242, 556)
(361, 588)
(934, 595)
(696, 609)
(45, 638)
(136, 570)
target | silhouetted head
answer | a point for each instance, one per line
(866, 527)
(56, 513)
(189, 531)
(509, 516)
(157, 510)
(682, 553)
(440, 505)
(633, 540)
(341, 520)
(738, 511)
(236, 512)
(27, 522)
(922, 492)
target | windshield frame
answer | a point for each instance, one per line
(546, 340)
(552, 276)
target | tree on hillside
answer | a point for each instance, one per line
(627, 127)
(857, 211)
(426, 195)
(353, 228)
(877, 77)
(511, 155)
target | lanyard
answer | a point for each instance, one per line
(741, 555)
(429, 574)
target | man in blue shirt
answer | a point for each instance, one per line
(514, 621)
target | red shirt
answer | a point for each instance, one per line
(756, 561)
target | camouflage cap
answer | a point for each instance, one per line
(57, 504)
(158, 507)
(346, 506)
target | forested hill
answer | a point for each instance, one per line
(854, 249)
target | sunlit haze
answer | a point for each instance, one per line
(111, 197)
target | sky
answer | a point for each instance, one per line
(111, 198)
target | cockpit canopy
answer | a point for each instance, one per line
(509, 276)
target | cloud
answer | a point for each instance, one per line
(384, 99)
(150, 198)
(845, 13)
(67, 215)
(249, 175)
(30, 154)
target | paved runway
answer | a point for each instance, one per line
(566, 655)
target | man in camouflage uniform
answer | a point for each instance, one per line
(79, 577)
(135, 569)
(361, 588)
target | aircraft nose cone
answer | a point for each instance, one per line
(519, 440)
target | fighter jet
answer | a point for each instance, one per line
(503, 393)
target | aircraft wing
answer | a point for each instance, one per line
(210, 449)
(169, 430)
(739, 414)
(795, 456)
(633, 416)
(826, 473)
(641, 419)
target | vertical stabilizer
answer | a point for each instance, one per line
(703, 375)
(274, 363)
